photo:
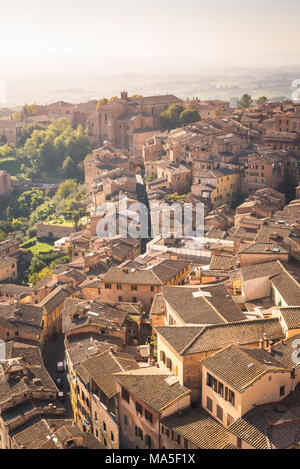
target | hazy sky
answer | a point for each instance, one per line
(60, 36)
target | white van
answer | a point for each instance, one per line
(60, 366)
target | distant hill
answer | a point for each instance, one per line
(209, 84)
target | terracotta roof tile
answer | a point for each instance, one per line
(198, 427)
(153, 388)
(240, 367)
(187, 339)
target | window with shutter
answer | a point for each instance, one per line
(125, 395)
(139, 408)
(215, 384)
(219, 412)
(148, 441)
(209, 404)
(220, 388)
(230, 420)
(231, 397)
(209, 380)
(148, 416)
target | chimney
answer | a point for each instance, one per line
(265, 340)
(261, 344)
(271, 346)
(124, 95)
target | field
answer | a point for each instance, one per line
(11, 165)
(38, 247)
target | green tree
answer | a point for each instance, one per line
(3, 139)
(6, 151)
(112, 99)
(37, 199)
(31, 232)
(77, 215)
(170, 118)
(189, 115)
(261, 100)
(47, 149)
(245, 101)
(69, 167)
(26, 133)
(42, 212)
(35, 277)
(70, 249)
(2, 236)
(101, 102)
(19, 224)
(29, 110)
(36, 265)
(5, 225)
(175, 111)
(17, 116)
(66, 188)
(28, 201)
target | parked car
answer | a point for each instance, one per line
(60, 396)
(59, 383)
(60, 366)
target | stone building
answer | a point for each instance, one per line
(120, 121)
(53, 305)
(266, 170)
(5, 183)
(8, 268)
(145, 396)
(95, 394)
(180, 348)
(193, 428)
(27, 390)
(9, 247)
(131, 283)
(11, 130)
(23, 322)
(11, 292)
(106, 160)
(217, 186)
(51, 232)
(228, 395)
